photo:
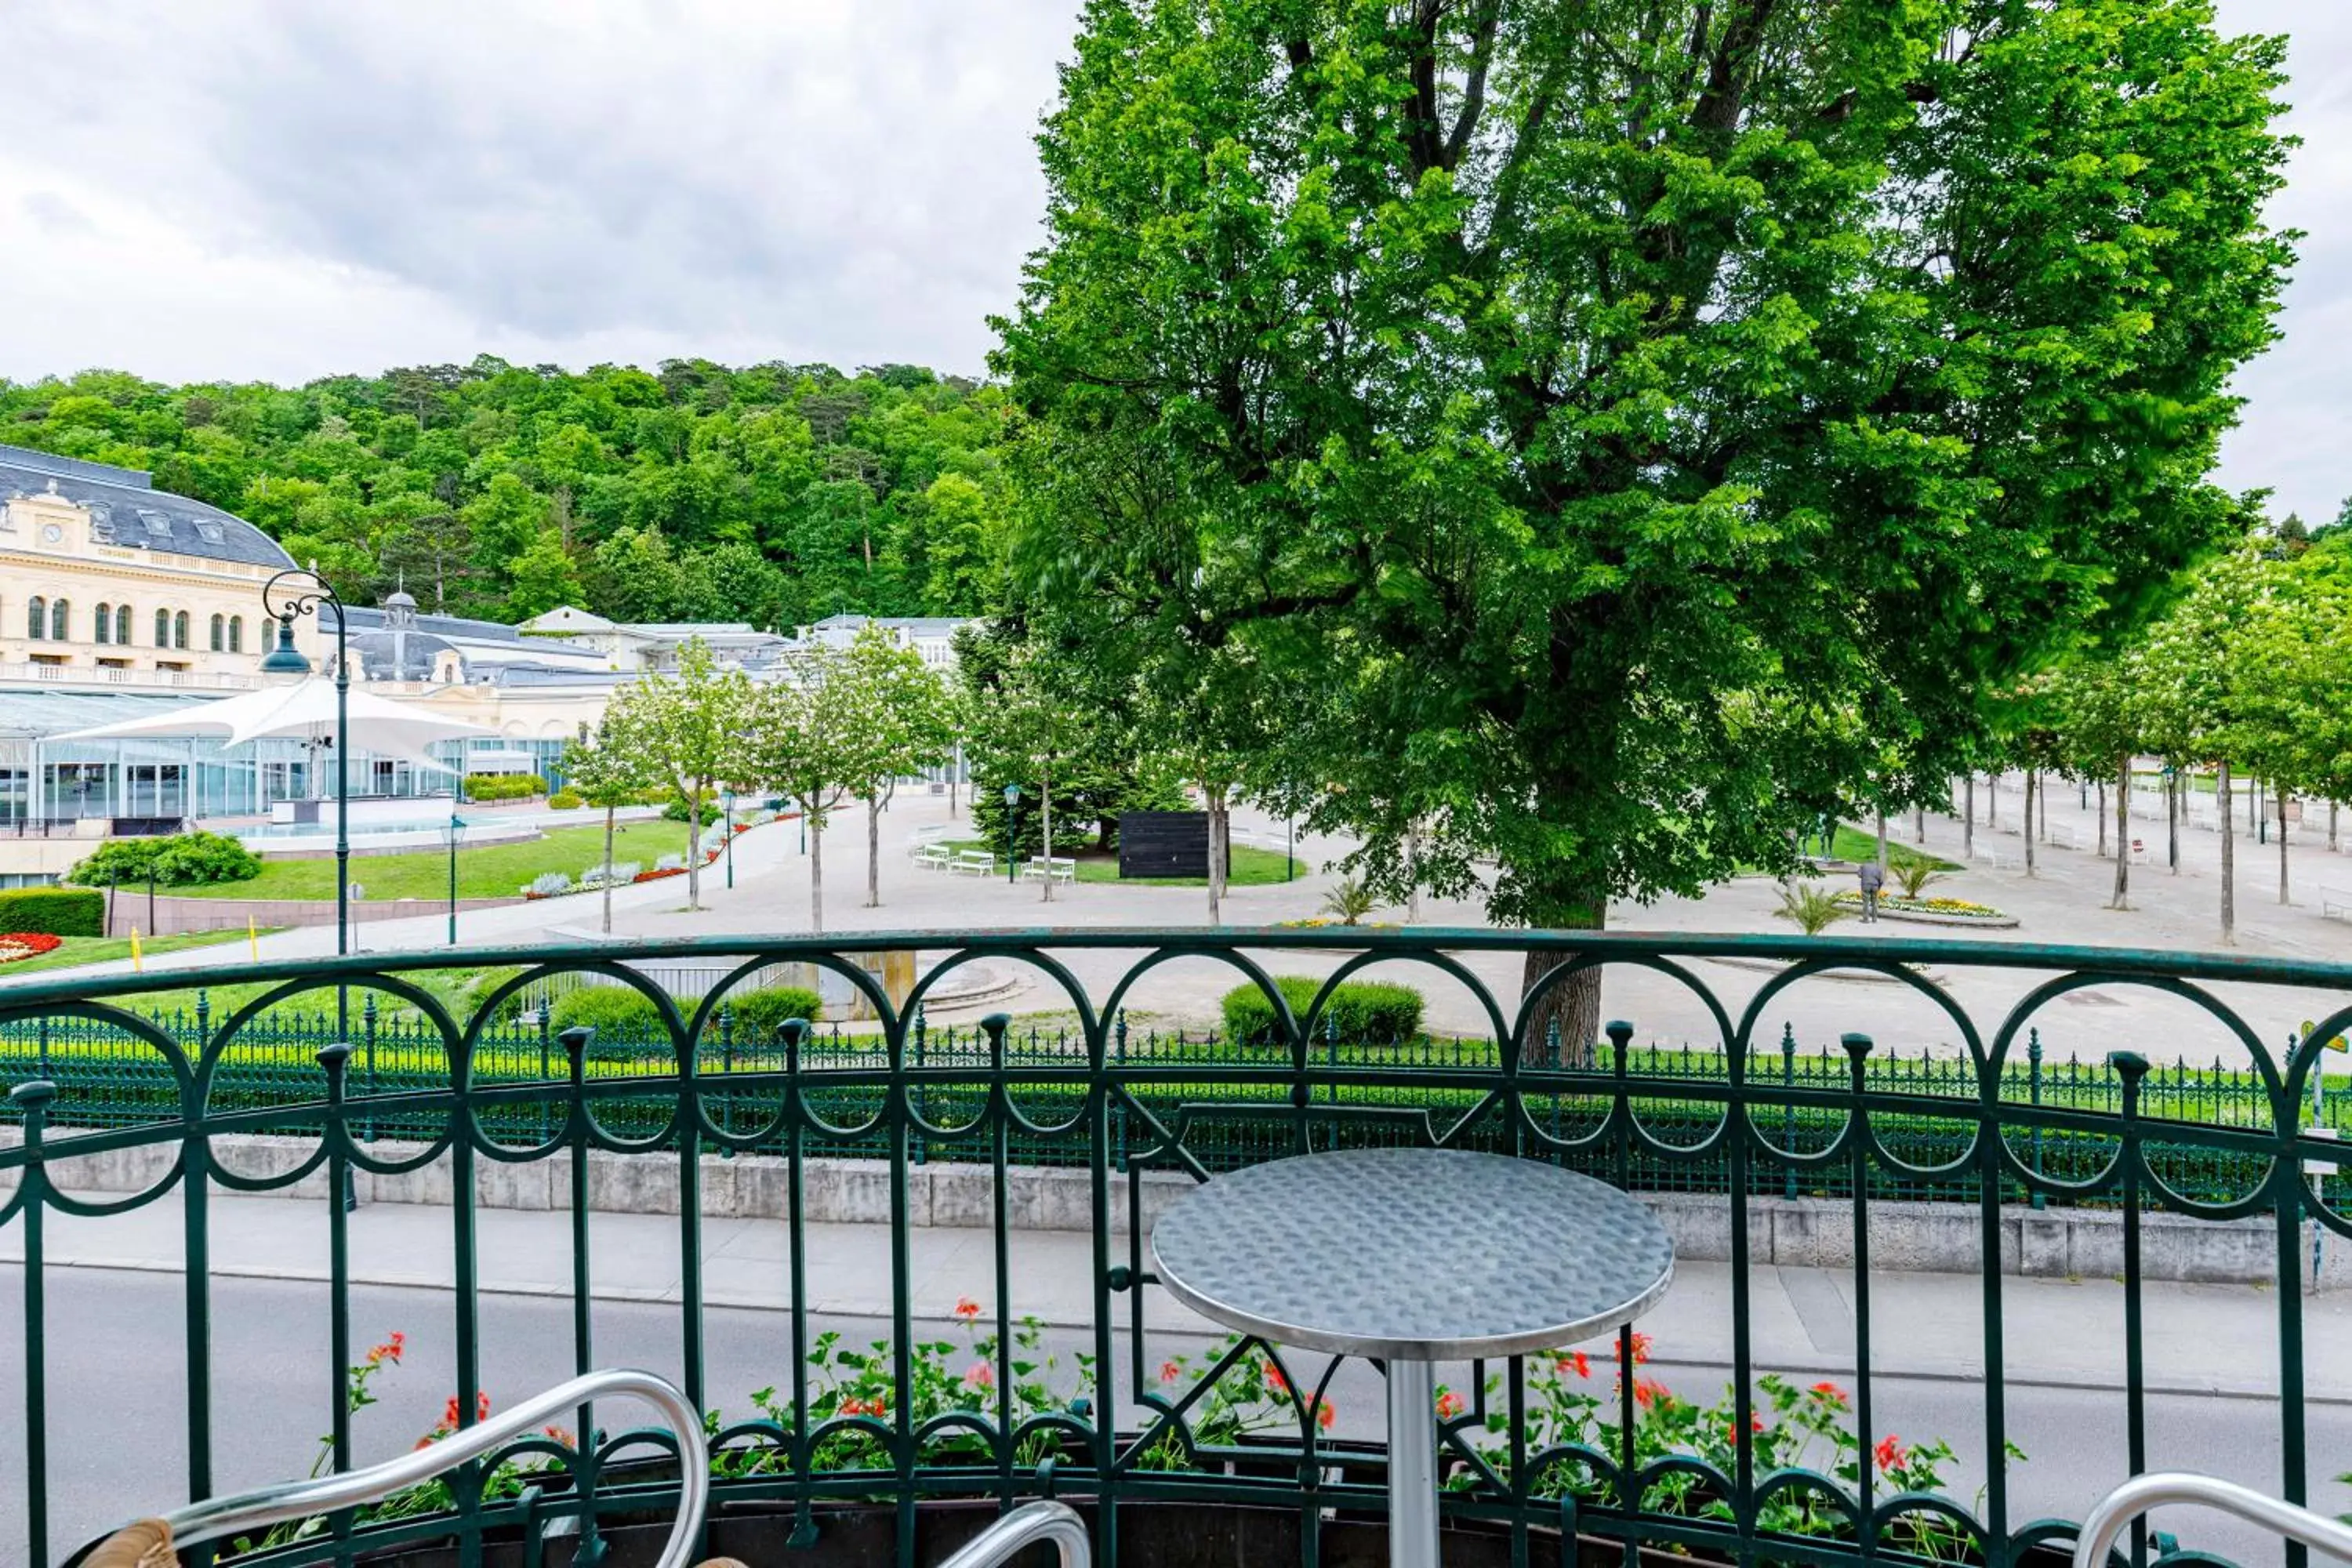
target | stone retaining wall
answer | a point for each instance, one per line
(1810, 1232)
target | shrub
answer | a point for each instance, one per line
(1366, 1012)
(1348, 901)
(547, 884)
(1813, 911)
(1912, 873)
(670, 863)
(756, 1014)
(675, 808)
(53, 911)
(619, 875)
(504, 786)
(565, 800)
(621, 1014)
(174, 860)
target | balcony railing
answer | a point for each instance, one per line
(430, 1072)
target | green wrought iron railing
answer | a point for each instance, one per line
(1745, 1119)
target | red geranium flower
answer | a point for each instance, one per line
(1890, 1454)
(1831, 1391)
(1449, 1406)
(1274, 1379)
(967, 1309)
(1169, 1372)
(1641, 1350)
(979, 1376)
(1575, 1362)
(1323, 1413)
(1647, 1392)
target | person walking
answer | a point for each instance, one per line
(1873, 877)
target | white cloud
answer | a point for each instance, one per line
(258, 188)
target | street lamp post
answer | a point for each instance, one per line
(452, 833)
(1011, 799)
(730, 840)
(298, 599)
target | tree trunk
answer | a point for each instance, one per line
(2045, 794)
(2331, 828)
(814, 822)
(1882, 839)
(1412, 871)
(2121, 900)
(694, 850)
(1992, 798)
(1968, 818)
(1919, 826)
(2102, 820)
(1214, 797)
(2280, 795)
(2029, 822)
(1046, 798)
(610, 812)
(2229, 853)
(874, 850)
(2172, 782)
(1573, 1008)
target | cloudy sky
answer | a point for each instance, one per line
(246, 189)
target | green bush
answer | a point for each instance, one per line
(1367, 1012)
(566, 800)
(504, 786)
(675, 807)
(53, 911)
(756, 1014)
(174, 860)
(622, 1017)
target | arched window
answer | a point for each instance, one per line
(60, 620)
(122, 625)
(163, 628)
(180, 629)
(220, 633)
(37, 618)
(103, 626)
(236, 633)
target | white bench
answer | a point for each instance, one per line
(1993, 858)
(978, 862)
(2334, 904)
(2063, 837)
(1040, 869)
(933, 858)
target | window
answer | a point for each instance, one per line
(236, 633)
(60, 620)
(122, 625)
(180, 629)
(37, 618)
(103, 627)
(163, 628)
(220, 633)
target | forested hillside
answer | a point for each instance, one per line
(774, 494)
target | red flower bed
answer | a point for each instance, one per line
(657, 876)
(17, 944)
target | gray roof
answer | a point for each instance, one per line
(125, 509)
(921, 625)
(371, 618)
(404, 655)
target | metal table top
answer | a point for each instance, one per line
(1421, 1253)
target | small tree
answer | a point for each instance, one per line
(608, 769)
(895, 719)
(799, 746)
(690, 731)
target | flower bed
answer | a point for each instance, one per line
(1933, 911)
(17, 944)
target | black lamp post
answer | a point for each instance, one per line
(452, 833)
(1011, 799)
(304, 598)
(730, 841)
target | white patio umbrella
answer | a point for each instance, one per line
(304, 711)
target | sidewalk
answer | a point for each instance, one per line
(2203, 1339)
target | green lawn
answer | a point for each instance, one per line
(1858, 845)
(1251, 867)
(488, 871)
(79, 950)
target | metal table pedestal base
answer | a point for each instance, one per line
(1412, 1463)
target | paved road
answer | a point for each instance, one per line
(117, 1415)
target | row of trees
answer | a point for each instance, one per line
(775, 494)
(838, 725)
(2247, 675)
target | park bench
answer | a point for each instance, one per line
(2334, 904)
(932, 857)
(1040, 868)
(1993, 858)
(978, 862)
(2063, 837)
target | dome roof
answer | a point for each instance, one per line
(401, 655)
(125, 510)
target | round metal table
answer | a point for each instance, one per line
(1412, 1257)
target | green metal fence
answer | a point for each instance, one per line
(1739, 1118)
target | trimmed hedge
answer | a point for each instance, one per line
(504, 786)
(1375, 1012)
(628, 1016)
(53, 911)
(565, 800)
(675, 807)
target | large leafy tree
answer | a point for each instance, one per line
(1618, 424)
(803, 745)
(691, 730)
(609, 769)
(897, 721)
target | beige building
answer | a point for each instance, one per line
(107, 581)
